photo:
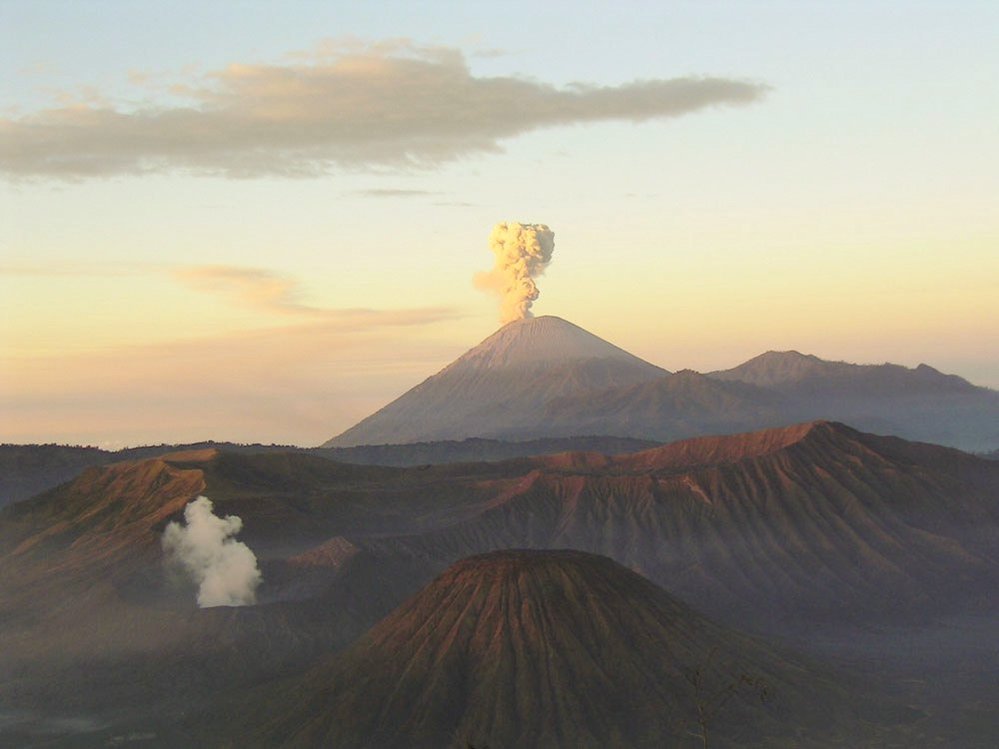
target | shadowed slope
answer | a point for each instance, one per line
(670, 407)
(551, 649)
(920, 403)
(805, 371)
(743, 518)
(811, 520)
(29, 470)
(88, 611)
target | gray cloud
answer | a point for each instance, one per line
(345, 106)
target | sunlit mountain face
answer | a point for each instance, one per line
(545, 377)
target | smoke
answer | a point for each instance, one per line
(224, 569)
(522, 252)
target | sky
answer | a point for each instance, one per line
(259, 222)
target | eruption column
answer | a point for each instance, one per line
(522, 252)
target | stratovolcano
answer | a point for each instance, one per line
(544, 377)
(500, 387)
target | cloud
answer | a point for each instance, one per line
(345, 105)
(253, 287)
(268, 291)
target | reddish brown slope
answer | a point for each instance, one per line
(100, 523)
(550, 649)
(702, 451)
(88, 613)
(89, 552)
(813, 521)
(776, 530)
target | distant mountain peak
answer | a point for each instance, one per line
(775, 367)
(539, 340)
(501, 386)
(790, 369)
(545, 377)
(789, 355)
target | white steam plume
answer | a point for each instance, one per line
(522, 252)
(224, 569)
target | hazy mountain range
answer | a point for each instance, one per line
(545, 377)
(543, 385)
(27, 470)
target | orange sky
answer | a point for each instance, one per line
(266, 233)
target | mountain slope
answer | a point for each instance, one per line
(793, 370)
(815, 527)
(93, 624)
(672, 407)
(743, 526)
(551, 649)
(778, 528)
(780, 388)
(547, 378)
(498, 388)
(920, 403)
(28, 470)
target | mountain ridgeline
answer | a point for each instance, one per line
(815, 532)
(545, 377)
(27, 470)
(543, 385)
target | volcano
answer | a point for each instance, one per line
(552, 649)
(786, 532)
(545, 378)
(499, 388)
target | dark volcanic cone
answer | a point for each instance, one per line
(552, 649)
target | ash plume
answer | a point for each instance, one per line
(522, 251)
(224, 569)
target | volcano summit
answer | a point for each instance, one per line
(544, 377)
(541, 649)
(501, 387)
